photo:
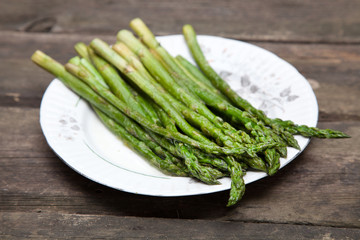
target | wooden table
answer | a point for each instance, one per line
(317, 196)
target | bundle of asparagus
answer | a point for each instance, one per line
(160, 106)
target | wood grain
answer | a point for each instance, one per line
(55, 225)
(316, 196)
(278, 20)
(321, 187)
(23, 83)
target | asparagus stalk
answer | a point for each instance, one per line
(118, 85)
(87, 93)
(255, 162)
(196, 119)
(148, 106)
(206, 95)
(237, 189)
(156, 69)
(108, 72)
(191, 161)
(106, 52)
(86, 62)
(204, 174)
(309, 131)
(188, 71)
(129, 56)
(160, 98)
(167, 122)
(82, 50)
(137, 145)
(219, 83)
(197, 75)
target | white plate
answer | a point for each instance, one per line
(78, 137)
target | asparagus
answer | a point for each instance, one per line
(219, 83)
(202, 157)
(203, 174)
(189, 73)
(190, 115)
(117, 85)
(106, 52)
(137, 145)
(148, 107)
(200, 89)
(208, 96)
(86, 62)
(175, 96)
(197, 74)
(226, 128)
(156, 69)
(166, 121)
(108, 95)
(190, 155)
(254, 162)
(87, 93)
(307, 131)
(191, 161)
(87, 66)
(108, 72)
(160, 98)
(82, 50)
(92, 97)
(237, 189)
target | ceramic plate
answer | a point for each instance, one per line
(78, 137)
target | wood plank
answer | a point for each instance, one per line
(56, 226)
(279, 20)
(23, 83)
(321, 187)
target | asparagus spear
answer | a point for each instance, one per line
(156, 69)
(137, 145)
(148, 106)
(160, 98)
(82, 50)
(88, 94)
(201, 90)
(190, 115)
(197, 74)
(309, 131)
(208, 96)
(202, 157)
(219, 83)
(237, 189)
(166, 121)
(106, 52)
(191, 161)
(108, 72)
(110, 75)
(118, 85)
(190, 155)
(178, 150)
(87, 66)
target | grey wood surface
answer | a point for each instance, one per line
(317, 196)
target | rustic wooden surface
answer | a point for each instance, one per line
(317, 196)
